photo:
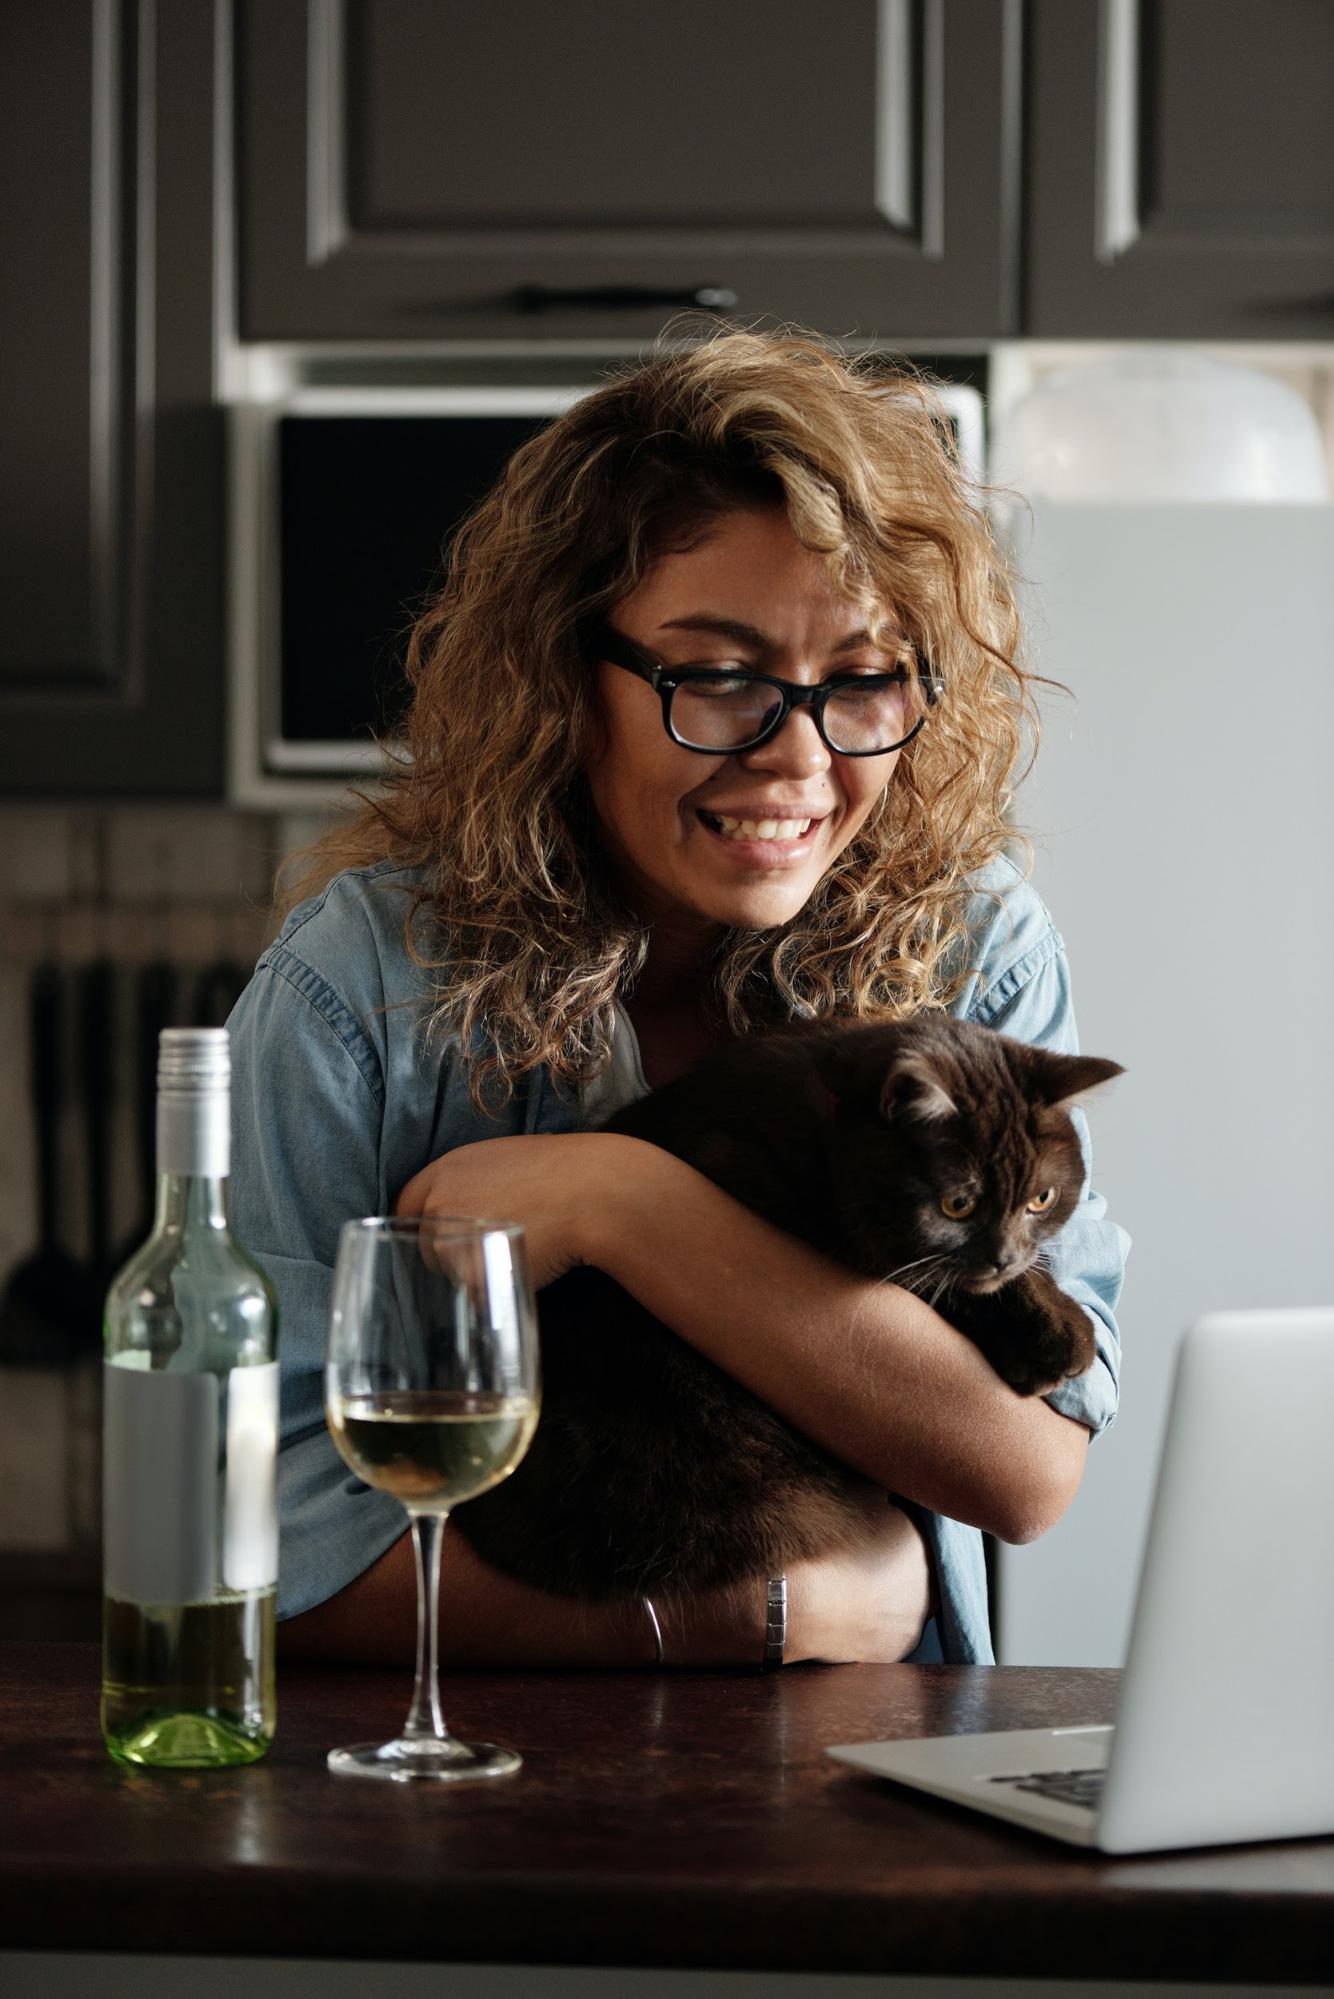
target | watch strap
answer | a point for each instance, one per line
(775, 1622)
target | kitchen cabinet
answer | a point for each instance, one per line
(111, 650)
(904, 170)
(408, 171)
(1180, 170)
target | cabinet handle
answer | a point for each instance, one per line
(549, 298)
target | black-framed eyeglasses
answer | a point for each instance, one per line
(719, 710)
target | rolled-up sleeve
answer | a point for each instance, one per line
(307, 1113)
(1033, 1003)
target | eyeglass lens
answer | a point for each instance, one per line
(728, 712)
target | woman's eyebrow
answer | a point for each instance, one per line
(749, 635)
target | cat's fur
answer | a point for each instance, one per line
(651, 1468)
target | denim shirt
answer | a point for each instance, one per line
(337, 1104)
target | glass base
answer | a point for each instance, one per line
(442, 1761)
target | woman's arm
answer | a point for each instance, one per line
(867, 1370)
(867, 1604)
(486, 1619)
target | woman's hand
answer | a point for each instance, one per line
(549, 1182)
(867, 1604)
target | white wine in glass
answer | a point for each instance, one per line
(431, 1394)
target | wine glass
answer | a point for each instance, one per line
(431, 1393)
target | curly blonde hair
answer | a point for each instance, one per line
(516, 907)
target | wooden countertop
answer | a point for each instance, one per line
(675, 1819)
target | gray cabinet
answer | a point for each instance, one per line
(1180, 169)
(907, 170)
(111, 674)
(411, 171)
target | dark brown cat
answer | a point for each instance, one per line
(931, 1153)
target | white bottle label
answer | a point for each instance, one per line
(250, 1510)
(159, 1484)
(173, 1510)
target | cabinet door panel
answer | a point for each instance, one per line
(543, 145)
(1181, 169)
(405, 169)
(110, 556)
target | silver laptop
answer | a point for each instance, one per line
(1225, 1722)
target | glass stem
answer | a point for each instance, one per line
(425, 1722)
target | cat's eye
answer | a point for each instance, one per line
(958, 1205)
(1041, 1202)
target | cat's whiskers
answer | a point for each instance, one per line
(947, 1283)
(934, 1278)
(923, 1274)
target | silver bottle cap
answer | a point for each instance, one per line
(194, 1076)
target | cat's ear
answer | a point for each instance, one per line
(914, 1087)
(1060, 1078)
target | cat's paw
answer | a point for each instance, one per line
(1032, 1333)
(1063, 1348)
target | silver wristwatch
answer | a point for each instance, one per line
(775, 1622)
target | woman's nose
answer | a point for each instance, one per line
(797, 746)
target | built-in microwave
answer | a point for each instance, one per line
(343, 500)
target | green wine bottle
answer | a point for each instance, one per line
(190, 1436)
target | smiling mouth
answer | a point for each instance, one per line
(775, 832)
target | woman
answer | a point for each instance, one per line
(579, 881)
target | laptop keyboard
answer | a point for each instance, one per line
(1072, 1787)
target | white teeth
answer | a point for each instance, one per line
(762, 829)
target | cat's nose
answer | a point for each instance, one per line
(1006, 1264)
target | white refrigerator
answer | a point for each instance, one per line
(1182, 811)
